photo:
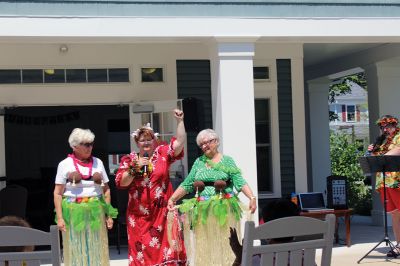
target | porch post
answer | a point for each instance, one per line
(319, 129)
(383, 94)
(2, 150)
(233, 105)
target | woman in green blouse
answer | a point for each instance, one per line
(216, 180)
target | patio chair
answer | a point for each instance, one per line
(294, 253)
(11, 236)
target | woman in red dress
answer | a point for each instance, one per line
(146, 175)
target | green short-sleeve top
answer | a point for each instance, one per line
(225, 169)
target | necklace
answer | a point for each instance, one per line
(76, 161)
(384, 148)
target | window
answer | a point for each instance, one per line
(32, 76)
(97, 75)
(261, 73)
(351, 113)
(76, 75)
(263, 145)
(152, 74)
(54, 75)
(50, 75)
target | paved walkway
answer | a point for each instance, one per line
(363, 238)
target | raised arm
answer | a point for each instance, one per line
(180, 132)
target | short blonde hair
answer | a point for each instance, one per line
(79, 135)
(206, 133)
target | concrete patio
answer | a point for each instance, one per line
(364, 237)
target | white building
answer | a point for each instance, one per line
(88, 63)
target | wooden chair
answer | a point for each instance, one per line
(23, 236)
(294, 253)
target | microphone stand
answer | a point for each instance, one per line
(386, 237)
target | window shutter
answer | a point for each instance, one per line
(358, 115)
(343, 113)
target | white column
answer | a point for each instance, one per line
(233, 105)
(319, 129)
(2, 151)
(383, 94)
(299, 126)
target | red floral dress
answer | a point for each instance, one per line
(147, 210)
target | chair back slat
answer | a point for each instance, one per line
(22, 236)
(309, 256)
(291, 253)
(296, 257)
(281, 258)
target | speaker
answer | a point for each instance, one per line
(337, 192)
(193, 114)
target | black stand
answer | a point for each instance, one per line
(373, 164)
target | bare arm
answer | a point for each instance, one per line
(126, 179)
(58, 192)
(253, 201)
(180, 132)
(107, 199)
(177, 195)
(395, 151)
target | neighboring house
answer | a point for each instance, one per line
(256, 71)
(352, 112)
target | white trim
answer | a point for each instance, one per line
(70, 30)
(275, 147)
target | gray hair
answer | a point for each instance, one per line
(206, 133)
(79, 135)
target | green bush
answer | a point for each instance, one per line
(344, 161)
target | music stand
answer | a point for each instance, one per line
(382, 163)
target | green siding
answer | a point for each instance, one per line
(194, 80)
(286, 126)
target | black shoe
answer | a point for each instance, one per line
(392, 254)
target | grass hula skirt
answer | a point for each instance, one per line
(206, 226)
(85, 243)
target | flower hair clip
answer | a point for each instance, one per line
(147, 126)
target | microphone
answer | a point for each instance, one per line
(378, 142)
(145, 155)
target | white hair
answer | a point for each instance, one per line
(206, 134)
(79, 135)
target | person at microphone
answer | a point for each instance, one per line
(388, 143)
(146, 175)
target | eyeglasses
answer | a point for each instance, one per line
(88, 144)
(145, 141)
(207, 142)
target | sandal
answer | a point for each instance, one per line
(392, 253)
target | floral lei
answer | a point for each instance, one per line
(134, 167)
(384, 148)
(383, 122)
(220, 167)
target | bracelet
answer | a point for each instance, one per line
(252, 198)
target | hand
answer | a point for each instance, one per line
(171, 205)
(97, 178)
(109, 223)
(235, 244)
(74, 175)
(143, 161)
(253, 205)
(371, 147)
(178, 114)
(61, 225)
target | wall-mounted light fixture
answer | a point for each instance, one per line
(63, 48)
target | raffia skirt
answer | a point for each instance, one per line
(208, 243)
(85, 244)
